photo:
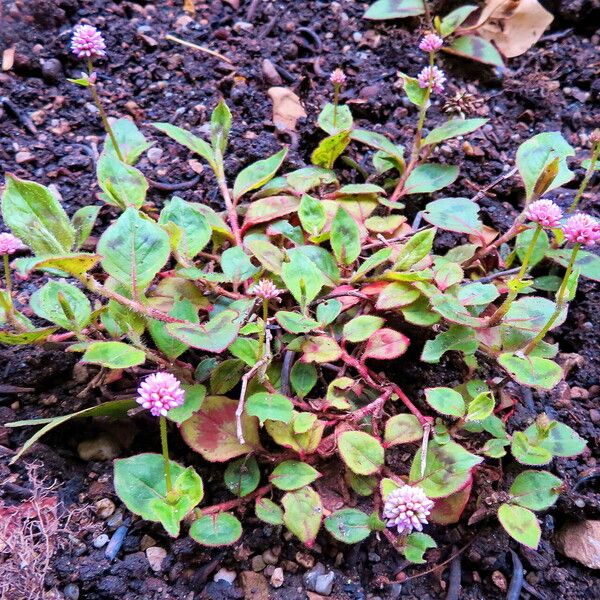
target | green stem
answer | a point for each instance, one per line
(560, 300)
(586, 179)
(103, 116)
(336, 96)
(263, 332)
(513, 293)
(165, 453)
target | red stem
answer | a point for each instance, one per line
(223, 506)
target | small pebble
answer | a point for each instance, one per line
(258, 564)
(105, 508)
(116, 542)
(71, 592)
(156, 555)
(224, 575)
(277, 578)
(101, 541)
(154, 155)
(324, 583)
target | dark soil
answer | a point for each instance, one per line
(49, 132)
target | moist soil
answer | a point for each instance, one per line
(50, 132)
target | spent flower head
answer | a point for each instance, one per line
(338, 77)
(160, 392)
(544, 213)
(431, 42)
(9, 243)
(87, 42)
(582, 229)
(266, 290)
(407, 508)
(432, 76)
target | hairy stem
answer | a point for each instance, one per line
(229, 504)
(232, 215)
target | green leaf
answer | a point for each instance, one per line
(269, 209)
(189, 140)
(481, 407)
(394, 9)
(274, 407)
(536, 154)
(122, 184)
(476, 48)
(379, 142)
(361, 452)
(386, 344)
(140, 484)
(420, 313)
(113, 355)
(587, 262)
(532, 370)
(312, 215)
(477, 294)
(454, 19)
(24, 338)
(222, 529)
(348, 525)
(245, 349)
(330, 149)
(361, 328)
(453, 128)
(557, 438)
(35, 216)
(220, 126)
(417, 248)
(236, 264)
(536, 490)
(295, 322)
(215, 335)
(446, 401)
(196, 232)
(113, 408)
(134, 250)
(319, 257)
(269, 256)
(523, 242)
(292, 475)
(303, 512)
(328, 311)
(430, 177)
(303, 378)
(257, 174)
(303, 279)
(320, 349)
(363, 485)
(395, 295)
(416, 546)
(526, 452)
(333, 120)
(345, 237)
(226, 375)
(172, 347)
(74, 264)
(83, 222)
(447, 470)
(194, 396)
(267, 511)
(130, 140)
(454, 214)
(521, 524)
(211, 431)
(402, 429)
(242, 476)
(48, 302)
(414, 92)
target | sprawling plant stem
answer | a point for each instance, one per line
(560, 303)
(232, 215)
(587, 177)
(229, 504)
(102, 112)
(514, 292)
(165, 453)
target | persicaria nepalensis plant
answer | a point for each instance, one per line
(294, 297)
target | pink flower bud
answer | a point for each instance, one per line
(407, 508)
(545, 213)
(432, 76)
(9, 243)
(87, 42)
(159, 393)
(431, 43)
(338, 77)
(582, 229)
(266, 290)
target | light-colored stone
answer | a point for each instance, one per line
(324, 583)
(101, 448)
(277, 578)
(105, 508)
(225, 575)
(581, 542)
(258, 564)
(101, 540)
(156, 555)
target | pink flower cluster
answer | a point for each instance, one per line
(159, 393)
(338, 77)
(431, 43)
(432, 76)
(87, 42)
(545, 213)
(407, 508)
(266, 290)
(9, 243)
(582, 229)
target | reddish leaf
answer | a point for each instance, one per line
(269, 209)
(386, 344)
(449, 510)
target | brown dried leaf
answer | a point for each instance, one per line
(287, 108)
(513, 25)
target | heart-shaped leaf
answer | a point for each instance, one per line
(242, 476)
(221, 529)
(536, 490)
(521, 524)
(348, 525)
(303, 512)
(274, 407)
